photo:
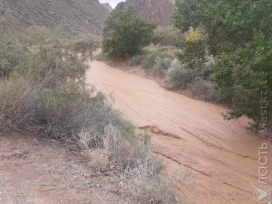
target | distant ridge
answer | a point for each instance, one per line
(159, 11)
(76, 17)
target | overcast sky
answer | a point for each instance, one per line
(113, 3)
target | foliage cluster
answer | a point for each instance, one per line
(102, 57)
(179, 77)
(170, 35)
(159, 59)
(125, 34)
(239, 35)
(192, 50)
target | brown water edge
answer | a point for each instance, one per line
(223, 153)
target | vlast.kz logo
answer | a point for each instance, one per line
(262, 194)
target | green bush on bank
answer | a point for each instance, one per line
(150, 61)
(102, 57)
(137, 60)
(162, 65)
(178, 76)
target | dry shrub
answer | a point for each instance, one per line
(144, 171)
(137, 60)
(171, 35)
(18, 102)
(201, 87)
(150, 61)
(148, 188)
(128, 152)
(147, 185)
(205, 89)
(162, 65)
(226, 97)
(102, 57)
(178, 76)
(132, 154)
(99, 159)
(66, 112)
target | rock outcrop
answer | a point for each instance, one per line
(158, 11)
(107, 6)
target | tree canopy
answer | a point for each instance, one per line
(239, 36)
(125, 33)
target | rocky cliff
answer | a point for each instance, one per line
(159, 11)
(107, 6)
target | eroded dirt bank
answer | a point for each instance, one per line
(222, 153)
(36, 171)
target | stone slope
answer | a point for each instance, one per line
(107, 6)
(159, 11)
(75, 17)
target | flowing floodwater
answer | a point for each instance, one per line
(222, 153)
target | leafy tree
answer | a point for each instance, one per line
(11, 53)
(239, 36)
(125, 33)
(193, 52)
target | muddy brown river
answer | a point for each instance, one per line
(223, 154)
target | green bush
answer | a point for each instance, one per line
(200, 87)
(150, 60)
(52, 67)
(241, 45)
(35, 34)
(162, 65)
(66, 112)
(125, 33)
(171, 35)
(12, 56)
(18, 100)
(178, 76)
(206, 72)
(192, 54)
(102, 57)
(144, 52)
(206, 90)
(137, 60)
(48, 69)
(227, 96)
(163, 49)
